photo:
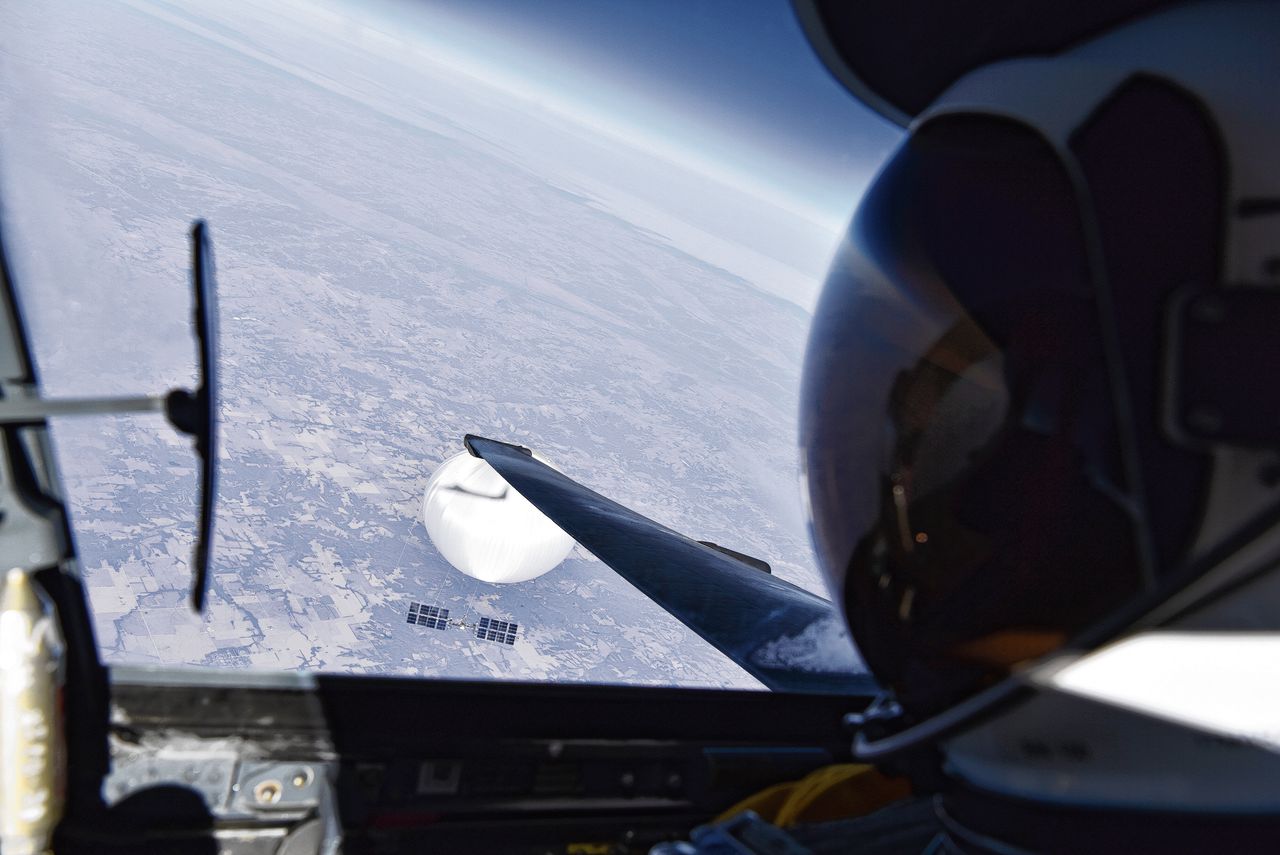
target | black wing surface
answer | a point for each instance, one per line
(768, 626)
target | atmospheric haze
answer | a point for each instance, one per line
(406, 252)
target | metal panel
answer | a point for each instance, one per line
(746, 614)
(432, 617)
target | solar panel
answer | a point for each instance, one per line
(432, 617)
(500, 631)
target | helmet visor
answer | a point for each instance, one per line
(960, 434)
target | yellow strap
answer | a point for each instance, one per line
(832, 792)
(766, 803)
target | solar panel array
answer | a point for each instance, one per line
(432, 617)
(497, 630)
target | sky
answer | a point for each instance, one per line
(729, 87)
(632, 242)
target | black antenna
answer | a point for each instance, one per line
(196, 413)
(193, 413)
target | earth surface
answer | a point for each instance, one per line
(407, 252)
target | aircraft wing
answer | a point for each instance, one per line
(784, 636)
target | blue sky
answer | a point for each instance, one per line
(730, 84)
(406, 254)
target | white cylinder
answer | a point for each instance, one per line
(484, 528)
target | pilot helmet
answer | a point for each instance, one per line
(1040, 420)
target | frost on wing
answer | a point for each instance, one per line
(823, 646)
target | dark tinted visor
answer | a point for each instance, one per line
(960, 433)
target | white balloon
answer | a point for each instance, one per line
(484, 528)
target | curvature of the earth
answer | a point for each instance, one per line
(405, 253)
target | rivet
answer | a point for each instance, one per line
(267, 792)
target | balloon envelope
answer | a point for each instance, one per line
(486, 529)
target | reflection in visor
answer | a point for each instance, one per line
(960, 436)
